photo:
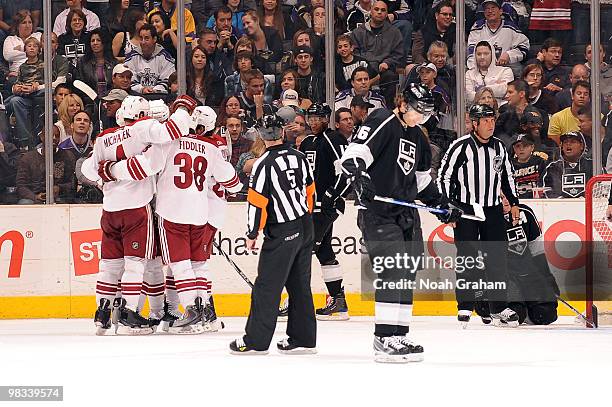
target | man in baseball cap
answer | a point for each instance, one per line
(290, 97)
(111, 103)
(122, 77)
(310, 81)
(528, 166)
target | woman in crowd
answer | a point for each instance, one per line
(485, 96)
(66, 110)
(198, 75)
(245, 44)
(487, 73)
(268, 43)
(245, 163)
(288, 80)
(541, 98)
(96, 67)
(124, 42)
(271, 15)
(230, 106)
(166, 37)
(73, 42)
(13, 50)
(307, 38)
(116, 16)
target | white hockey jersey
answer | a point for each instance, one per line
(217, 202)
(186, 169)
(121, 143)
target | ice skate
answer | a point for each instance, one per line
(155, 319)
(115, 313)
(506, 318)
(287, 347)
(170, 316)
(463, 316)
(396, 349)
(102, 319)
(238, 347)
(190, 323)
(210, 322)
(335, 309)
(283, 310)
(486, 320)
(132, 323)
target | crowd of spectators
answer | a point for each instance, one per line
(243, 57)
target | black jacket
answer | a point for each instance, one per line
(86, 72)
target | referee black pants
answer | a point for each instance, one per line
(487, 239)
(284, 261)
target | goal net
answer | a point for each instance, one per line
(599, 251)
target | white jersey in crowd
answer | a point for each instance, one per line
(186, 167)
(217, 203)
(123, 143)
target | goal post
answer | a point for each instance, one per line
(598, 251)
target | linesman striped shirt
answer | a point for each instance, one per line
(473, 172)
(281, 189)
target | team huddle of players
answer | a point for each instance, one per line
(175, 159)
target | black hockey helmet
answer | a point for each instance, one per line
(319, 109)
(270, 125)
(478, 111)
(419, 97)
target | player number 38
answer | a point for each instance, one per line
(192, 171)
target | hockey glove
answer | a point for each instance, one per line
(331, 204)
(104, 170)
(184, 101)
(362, 184)
(453, 213)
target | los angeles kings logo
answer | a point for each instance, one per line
(406, 156)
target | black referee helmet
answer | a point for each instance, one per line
(419, 97)
(477, 112)
(319, 109)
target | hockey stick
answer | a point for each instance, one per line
(87, 90)
(234, 265)
(592, 324)
(477, 215)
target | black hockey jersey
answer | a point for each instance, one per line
(321, 152)
(397, 158)
(528, 175)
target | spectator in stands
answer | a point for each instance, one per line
(79, 143)
(555, 75)
(13, 48)
(126, 41)
(59, 65)
(116, 16)
(59, 93)
(238, 8)
(28, 92)
(168, 8)
(32, 176)
(245, 162)
(226, 40)
(234, 84)
(150, 64)
(252, 98)
(443, 30)
(96, 67)
(347, 61)
(62, 21)
(566, 120)
(240, 144)
(344, 123)
(271, 14)
(268, 43)
(111, 103)
(220, 62)
(288, 81)
(71, 44)
(360, 82)
(9, 9)
(166, 37)
(437, 55)
(510, 44)
(9, 158)
(199, 76)
(381, 44)
(528, 167)
(359, 14)
(588, 55)
(564, 98)
(122, 78)
(541, 98)
(567, 177)
(310, 81)
(585, 125)
(236, 12)
(307, 38)
(359, 110)
(485, 96)
(487, 73)
(532, 123)
(70, 105)
(229, 106)
(297, 129)
(442, 103)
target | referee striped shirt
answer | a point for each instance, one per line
(474, 173)
(281, 188)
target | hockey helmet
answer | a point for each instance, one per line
(159, 110)
(203, 116)
(135, 107)
(479, 111)
(270, 125)
(319, 110)
(419, 98)
(119, 116)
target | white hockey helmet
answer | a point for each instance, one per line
(119, 116)
(203, 116)
(135, 107)
(159, 110)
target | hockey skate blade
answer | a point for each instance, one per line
(123, 330)
(215, 326)
(194, 329)
(299, 351)
(336, 316)
(100, 331)
(499, 324)
(382, 357)
(250, 353)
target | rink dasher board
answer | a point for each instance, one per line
(49, 258)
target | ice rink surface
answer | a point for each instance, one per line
(562, 364)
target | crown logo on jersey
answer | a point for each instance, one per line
(406, 156)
